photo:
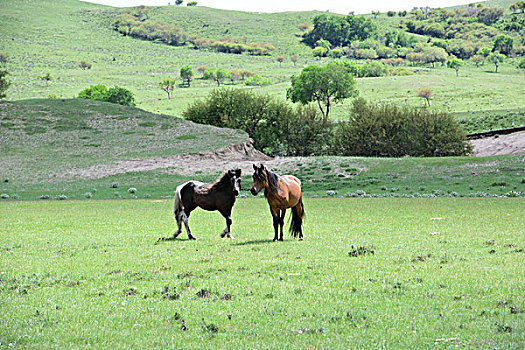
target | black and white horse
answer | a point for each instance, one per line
(217, 196)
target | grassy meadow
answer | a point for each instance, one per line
(97, 270)
(376, 273)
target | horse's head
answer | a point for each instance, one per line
(235, 178)
(260, 180)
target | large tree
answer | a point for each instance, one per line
(503, 43)
(332, 82)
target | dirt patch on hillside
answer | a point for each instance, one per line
(243, 155)
(499, 145)
(235, 156)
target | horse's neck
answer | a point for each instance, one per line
(221, 185)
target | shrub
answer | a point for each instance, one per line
(257, 80)
(85, 64)
(121, 96)
(275, 126)
(521, 63)
(4, 83)
(373, 69)
(320, 52)
(94, 92)
(115, 94)
(390, 131)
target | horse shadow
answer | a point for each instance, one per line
(168, 239)
(253, 242)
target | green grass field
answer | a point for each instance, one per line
(371, 273)
(374, 273)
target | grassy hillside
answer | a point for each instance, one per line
(54, 35)
(44, 141)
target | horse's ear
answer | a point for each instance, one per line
(262, 166)
(238, 172)
(255, 167)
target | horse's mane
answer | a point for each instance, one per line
(223, 179)
(272, 180)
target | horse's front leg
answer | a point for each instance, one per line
(275, 217)
(281, 223)
(227, 216)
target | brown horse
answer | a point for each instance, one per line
(217, 196)
(282, 192)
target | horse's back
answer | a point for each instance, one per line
(293, 185)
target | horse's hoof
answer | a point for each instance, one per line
(300, 238)
(192, 238)
(275, 239)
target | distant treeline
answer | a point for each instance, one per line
(461, 32)
(129, 24)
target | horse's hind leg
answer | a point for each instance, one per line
(185, 218)
(178, 218)
(281, 223)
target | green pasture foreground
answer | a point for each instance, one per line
(371, 273)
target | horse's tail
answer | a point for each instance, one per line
(297, 220)
(177, 205)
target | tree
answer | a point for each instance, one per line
(489, 16)
(484, 51)
(340, 31)
(454, 63)
(234, 75)
(425, 93)
(218, 75)
(503, 43)
(518, 6)
(191, 3)
(4, 83)
(178, 2)
(496, 59)
(186, 73)
(202, 70)
(294, 60)
(246, 74)
(167, 85)
(323, 84)
(434, 54)
(280, 59)
(477, 60)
